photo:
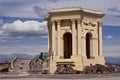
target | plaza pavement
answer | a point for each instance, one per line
(61, 77)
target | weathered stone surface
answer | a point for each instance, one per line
(65, 69)
(98, 68)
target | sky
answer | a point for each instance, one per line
(23, 28)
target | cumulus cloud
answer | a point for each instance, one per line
(109, 37)
(24, 29)
(1, 22)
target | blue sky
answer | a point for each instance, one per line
(24, 30)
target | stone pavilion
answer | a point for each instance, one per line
(75, 38)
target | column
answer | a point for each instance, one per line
(53, 38)
(100, 38)
(48, 40)
(95, 47)
(58, 38)
(74, 52)
(83, 46)
(79, 35)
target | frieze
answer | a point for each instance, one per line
(89, 22)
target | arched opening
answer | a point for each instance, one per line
(67, 45)
(88, 45)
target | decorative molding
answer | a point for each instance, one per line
(90, 29)
(67, 30)
(83, 37)
(89, 22)
(94, 38)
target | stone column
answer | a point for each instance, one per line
(73, 37)
(79, 35)
(53, 38)
(100, 38)
(95, 47)
(58, 38)
(92, 47)
(48, 39)
(83, 46)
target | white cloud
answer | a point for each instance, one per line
(8, 41)
(111, 51)
(3, 41)
(109, 37)
(24, 29)
(23, 49)
(1, 22)
(26, 8)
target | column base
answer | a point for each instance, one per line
(53, 63)
(78, 61)
(101, 60)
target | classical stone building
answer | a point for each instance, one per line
(75, 38)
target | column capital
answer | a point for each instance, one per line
(53, 22)
(73, 20)
(58, 21)
(79, 20)
(99, 23)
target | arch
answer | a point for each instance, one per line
(67, 45)
(88, 45)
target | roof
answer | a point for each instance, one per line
(76, 9)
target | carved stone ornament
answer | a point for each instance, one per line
(73, 21)
(89, 22)
(58, 22)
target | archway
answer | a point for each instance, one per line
(88, 45)
(67, 45)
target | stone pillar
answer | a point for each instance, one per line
(58, 38)
(79, 35)
(74, 47)
(53, 38)
(92, 47)
(48, 40)
(84, 46)
(95, 47)
(100, 38)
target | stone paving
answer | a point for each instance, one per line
(62, 77)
